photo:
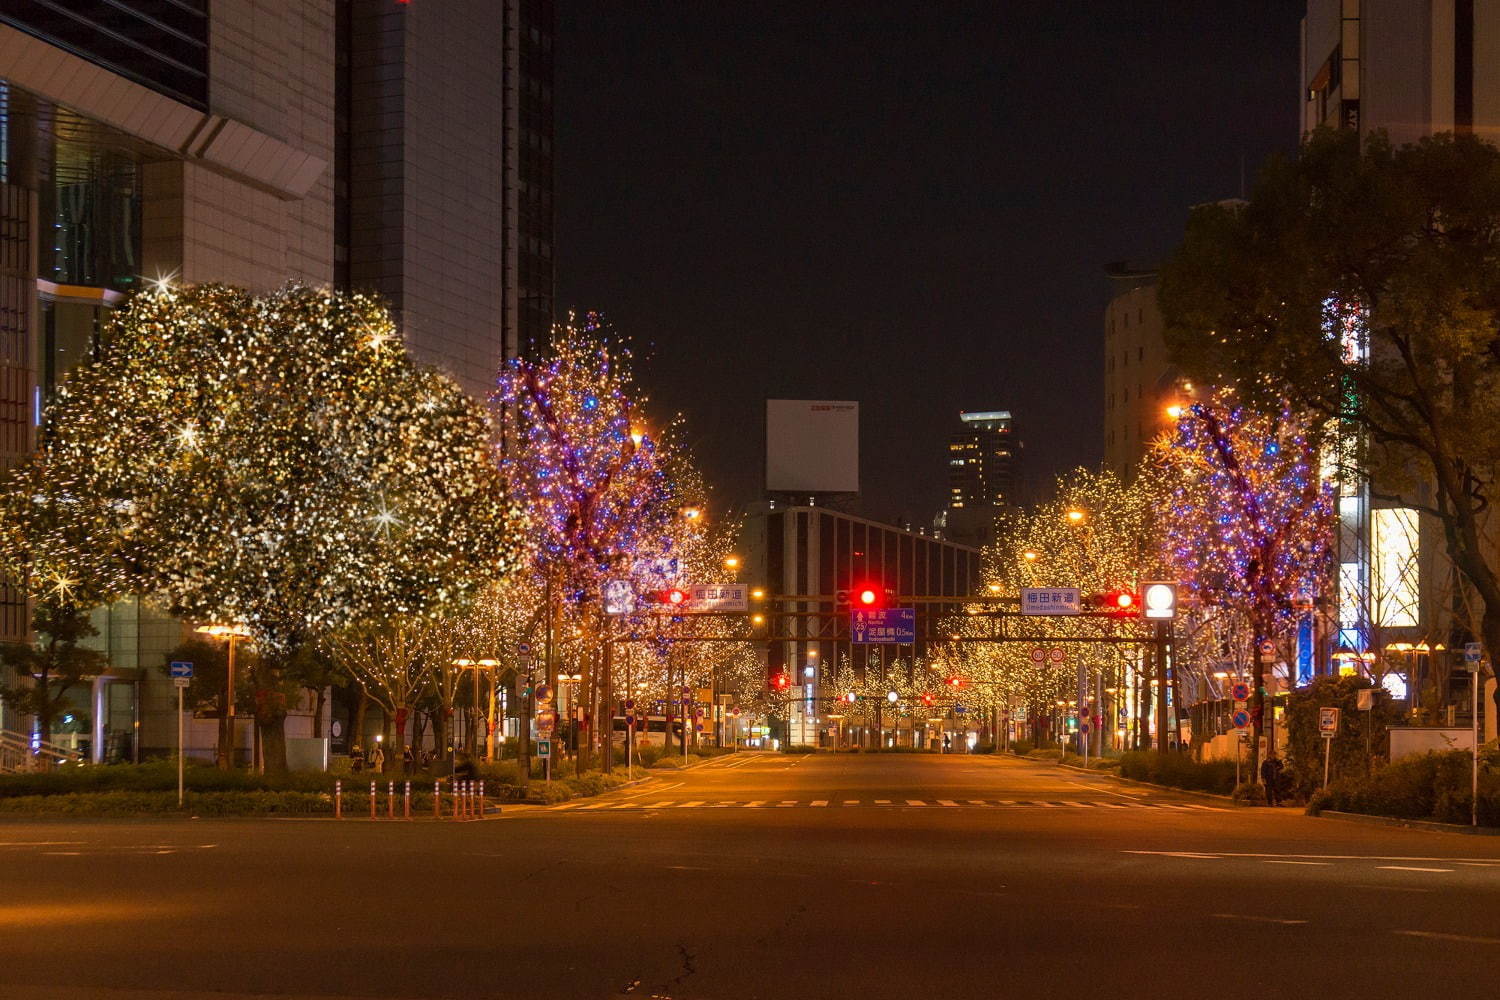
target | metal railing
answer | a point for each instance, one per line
(19, 752)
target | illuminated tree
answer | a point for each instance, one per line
(277, 462)
(1249, 525)
(52, 665)
(393, 662)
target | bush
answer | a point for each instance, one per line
(1045, 755)
(1249, 794)
(1433, 786)
(1021, 747)
(1178, 771)
(984, 748)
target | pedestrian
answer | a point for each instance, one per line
(377, 759)
(356, 759)
(408, 760)
(1270, 774)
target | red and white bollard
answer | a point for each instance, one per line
(338, 799)
(481, 800)
(372, 800)
(437, 800)
(406, 809)
(390, 801)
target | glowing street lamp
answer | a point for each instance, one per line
(1076, 516)
(230, 633)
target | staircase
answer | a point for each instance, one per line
(18, 753)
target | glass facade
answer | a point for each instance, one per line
(161, 44)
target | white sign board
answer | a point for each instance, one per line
(1051, 601)
(717, 597)
(812, 446)
(1328, 722)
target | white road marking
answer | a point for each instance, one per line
(1461, 938)
(976, 802)
(1314, 857)
(1079, 805)
(691, 803)
(1258, 920)
(820, 802)
(661, 805)
(1007, 802)
(757, 802)
(851, 802)
(1108, 791)
(882, 802)
(1409, 868)
(915, 802)
(946, 802)
(785, 803)
(1273, 861)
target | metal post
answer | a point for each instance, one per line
(1474, 711)
(338, 799)
(1327, 754)
(406, 807)
(179, 746)
(1163, 657)
(229, 705)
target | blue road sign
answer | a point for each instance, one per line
(883, 626)
(1472, 653)
(181, 668)
(1241, 719)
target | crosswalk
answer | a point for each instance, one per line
(647, 803)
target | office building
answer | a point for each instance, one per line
(402, 148)
(1139, 380)
(444, 174)
(983, 472)
(818, 552)
(1409, 68)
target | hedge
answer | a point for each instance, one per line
(1433, 786)
(1178, 771)
(141, 803)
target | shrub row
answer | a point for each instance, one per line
(142, 803)
(1178, 771)
(1433, 786)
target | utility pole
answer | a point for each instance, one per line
(1163, 665)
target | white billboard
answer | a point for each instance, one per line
(812, 446)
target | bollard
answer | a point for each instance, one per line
(437, 800)
(456, 813)
(372, 800)
(481, 798)
(406, 808)
(338, 799)
(390, 801)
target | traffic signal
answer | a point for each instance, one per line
(1160, 599)
(927, 699)
(849, 697)
(865, 597)
(956, 682)
(1118, 603)
(673, 597)
(780, 682)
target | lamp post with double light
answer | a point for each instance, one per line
(231, 633)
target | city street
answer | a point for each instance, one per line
(755, 876)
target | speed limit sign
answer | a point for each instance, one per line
(1038, 655)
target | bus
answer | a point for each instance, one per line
(653, 733)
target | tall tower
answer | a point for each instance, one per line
(983, 465)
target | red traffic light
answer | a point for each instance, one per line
(675, 596)
(781, 682)
(868, 597)
(1120, 603)
(927, 698)
(957, 682)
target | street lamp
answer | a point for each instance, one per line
(230, 633)
(731, 562)
(1076, 516)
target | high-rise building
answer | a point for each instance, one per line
(444, 169)
(1409, 68)
(983, 464)
(404, 148)
(1139, 378)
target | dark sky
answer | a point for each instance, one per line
(906, 204)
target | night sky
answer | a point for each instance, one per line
(906, 204)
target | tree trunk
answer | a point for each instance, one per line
(320, 701)
(357, 737)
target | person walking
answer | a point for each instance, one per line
(1270, 775)
(377, 759)
(408, 761)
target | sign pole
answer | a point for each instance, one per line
(1327, 753)
(1474, 789)
(179, 747)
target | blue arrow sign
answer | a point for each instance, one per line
(181, 668)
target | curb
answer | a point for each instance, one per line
(1430, 825)
(1165, 788)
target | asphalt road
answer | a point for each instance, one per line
(760, 876)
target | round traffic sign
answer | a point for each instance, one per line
(1268, 647)
(543, 692)
(1241, 719)
(1240, 692)
(1039, 655)
(1057, 654)
(629, 703)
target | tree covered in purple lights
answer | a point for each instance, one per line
(1249, 529)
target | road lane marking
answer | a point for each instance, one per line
(1079, 805)
(820, 802)
(1312, 857)
(1107, 791)
(851, 802)
(1460, 938)
(660, 805)
(882, 802)
(976, 802)
(1258, 920)
(946, 802)
(757, 802)
(784, 803)
(1410, 868)
(915, 802)
(1007, 802)
(1274, 861)
(691, 803)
